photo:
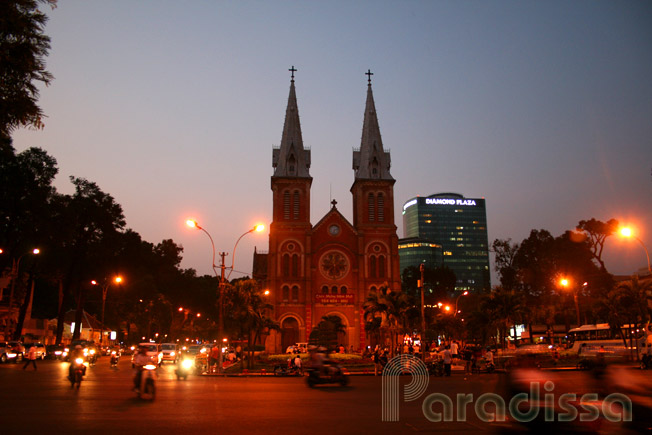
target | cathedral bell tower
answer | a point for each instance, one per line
(373, 205)
(288, 267)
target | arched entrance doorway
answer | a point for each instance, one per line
(289, 332)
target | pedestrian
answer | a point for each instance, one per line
(376, 358)
(31, 357)
(467, 353)
(454, 349)
(448, 360)
(297, 364)
(214, 357)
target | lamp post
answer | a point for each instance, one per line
(220, 307)
(458, 299)
(105, 290)
(423, 312)
(14, 275)
(566, 283)
(627, 232)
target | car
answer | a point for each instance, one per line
(297, 348)
(152, 352)
(169, 352)
(40, 350)
(55, 352)
(12, 351)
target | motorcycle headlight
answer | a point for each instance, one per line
(186, 364)
(150, 367)
(92, 351)
(79, 361)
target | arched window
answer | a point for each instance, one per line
(296, 205)
(334, 290)
(324, 290)
(372, 267)
(286, 293)
(343, 290)
(381, 266)
(295, 266)
(295, 294)
(286, 205)
(372, 206)
(285, 265)
(381, 207)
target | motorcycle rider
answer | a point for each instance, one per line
(77, 352)
(141, 359)
(317, 360)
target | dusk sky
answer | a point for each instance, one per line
(543, 108)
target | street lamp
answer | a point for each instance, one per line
(627, 232)
(105, 290)
(566, 283)
(220, 323)
(14, 275)
(457, 300)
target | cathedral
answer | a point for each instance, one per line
(329, 268)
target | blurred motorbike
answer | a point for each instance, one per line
(147, 386)
(332, 373)
(77, 372)
(184, 367)
(115, 357)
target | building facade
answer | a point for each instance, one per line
(329, 268)
(459, 226)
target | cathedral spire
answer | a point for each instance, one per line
(371, 161)
(291, 159)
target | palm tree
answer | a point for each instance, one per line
(506, 308)
(395, 310)
(248, 312)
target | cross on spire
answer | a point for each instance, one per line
(293, 70)
(369, 74)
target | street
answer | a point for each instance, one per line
(43, 401)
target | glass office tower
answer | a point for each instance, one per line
(459, 226)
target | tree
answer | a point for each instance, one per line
(395, 310)
(505, 262)
(327, 331)
(23, 48)
(597, 232)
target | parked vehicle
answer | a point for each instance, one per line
(284, 370)
(297, 348)
(436, 367)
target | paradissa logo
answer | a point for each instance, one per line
(615, 407)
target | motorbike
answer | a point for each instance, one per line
(435, 368)
(147, 386)
(115, 357)
(284, 370)
(77, 372)
(332, 373)
(91, 356)
(184, 367)
(646, 362)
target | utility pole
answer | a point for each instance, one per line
(423, 313)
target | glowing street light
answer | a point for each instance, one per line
(220, 324)
(566, 284)
(457, 300)
(14, 276)
(105, 290)
(629, 233)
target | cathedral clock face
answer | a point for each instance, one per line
(334, 230)
(333, 265)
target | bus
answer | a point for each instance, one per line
(588, 339)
